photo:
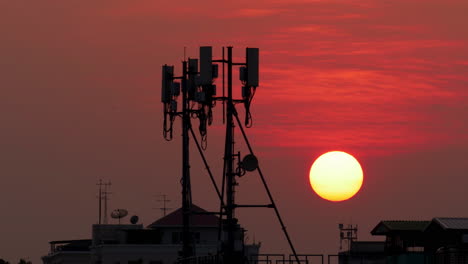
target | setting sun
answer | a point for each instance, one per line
(336, 176)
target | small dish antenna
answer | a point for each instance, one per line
(134, 219)
(250, 162)
(119, 214)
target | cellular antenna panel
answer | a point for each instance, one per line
(252, 66)
(167, 79)
(206, 65)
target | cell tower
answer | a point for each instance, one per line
(199, 97)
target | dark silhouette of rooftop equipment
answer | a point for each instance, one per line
(134, 219)
(347, 234)
(119, 214)
(103, 196)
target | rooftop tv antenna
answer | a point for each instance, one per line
(100, 184)
(347, 234)
(199, 97)
(103, 196)
(163, 199)
(106, 199)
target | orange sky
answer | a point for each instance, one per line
(79, 100)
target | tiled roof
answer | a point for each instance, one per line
(385, 227)
(175, 219)
(452, 223)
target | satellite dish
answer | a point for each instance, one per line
(119, 214)
(134, 219)
(250, 162)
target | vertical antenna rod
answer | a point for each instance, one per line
(228, 159)
(186, 192)
(100, 200)
(106, 198)
(164, 200)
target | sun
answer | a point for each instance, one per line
(336, 176)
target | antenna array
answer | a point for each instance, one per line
(199, 97)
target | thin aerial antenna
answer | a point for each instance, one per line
(347, 234)
(100, 184)
(163, 199)
(185, 53)
(105, 197)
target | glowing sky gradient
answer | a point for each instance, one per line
(79, 99)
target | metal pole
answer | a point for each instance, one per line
(207, 167)
(186, 204)
(228, 159)
(283, 226)
(105, 204)
(106, 197)
(100, 200)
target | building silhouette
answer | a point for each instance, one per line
(158, 243)
(442, 240)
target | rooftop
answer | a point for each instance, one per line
(450, 223)
(385, 227)
(175, 219)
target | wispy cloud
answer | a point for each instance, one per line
(256, 12)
